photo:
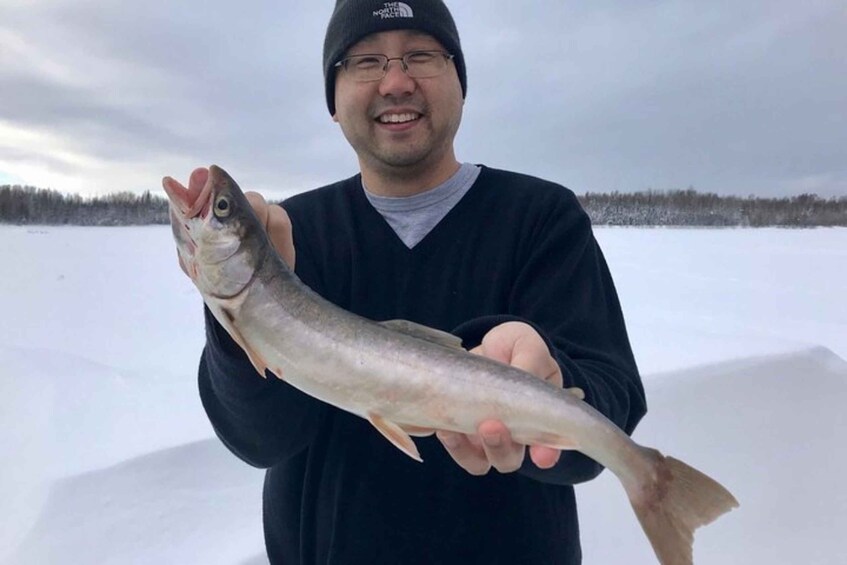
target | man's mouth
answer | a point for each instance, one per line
(398, 118)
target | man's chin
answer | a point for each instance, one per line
(402, 159)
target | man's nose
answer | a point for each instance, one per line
(396, 82)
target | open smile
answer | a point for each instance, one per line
(401, 118)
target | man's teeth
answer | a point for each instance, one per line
(397, 118)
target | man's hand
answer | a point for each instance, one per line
(274, 218)
(277, 224)
(519, 345)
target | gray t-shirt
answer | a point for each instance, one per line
(413, 217)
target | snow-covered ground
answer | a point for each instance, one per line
(741, 336)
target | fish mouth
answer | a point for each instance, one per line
(196, 199)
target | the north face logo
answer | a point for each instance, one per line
(394, 10)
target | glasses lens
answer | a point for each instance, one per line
(417, 64)
(366, 67)
(425, 64)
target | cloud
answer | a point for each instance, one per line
(101, 95)
(139, 88)
(671, 94)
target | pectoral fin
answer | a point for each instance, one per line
(395, 435)
(258, 362)
(226, 320)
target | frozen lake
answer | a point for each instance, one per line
(741, 336)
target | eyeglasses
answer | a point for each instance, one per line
(416, 64)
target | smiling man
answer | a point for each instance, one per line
(399, 114)
(504, 260)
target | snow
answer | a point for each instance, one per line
(741, 336)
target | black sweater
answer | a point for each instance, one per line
(336, 492)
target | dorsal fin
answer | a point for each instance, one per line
(424, 332)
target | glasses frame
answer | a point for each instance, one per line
(404, 65)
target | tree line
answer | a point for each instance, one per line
(39, 206)
(692, 208)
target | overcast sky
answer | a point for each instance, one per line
(742, 97)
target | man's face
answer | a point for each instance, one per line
(399, 122)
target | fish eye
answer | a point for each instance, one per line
(222, 207)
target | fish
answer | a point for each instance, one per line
(407, 379)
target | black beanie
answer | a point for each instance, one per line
(354, 19)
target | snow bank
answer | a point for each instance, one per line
(189, 504)
(25, 413)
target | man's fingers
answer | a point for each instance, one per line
(504, 455)
(277, 223)
(260, 207)
(468, 456)
(492, 447)
(196, 182)
(544, 457)
(532, 355)
(496, 349)
(279, 230)
(519, 345)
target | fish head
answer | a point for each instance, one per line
(219, 239)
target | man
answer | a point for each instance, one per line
(505, 261)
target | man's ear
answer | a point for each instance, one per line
(335, 117)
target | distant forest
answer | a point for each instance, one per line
(38, 206)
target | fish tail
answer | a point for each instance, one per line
(673, 501)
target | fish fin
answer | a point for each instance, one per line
(424, 332)
(417, 431)
(673, 501)
(226, 319)
(577, 392)
(257, 360)
(395, 435)
(556, 442)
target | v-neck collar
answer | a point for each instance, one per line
(431, 238)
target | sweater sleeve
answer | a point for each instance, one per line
(564, 289)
